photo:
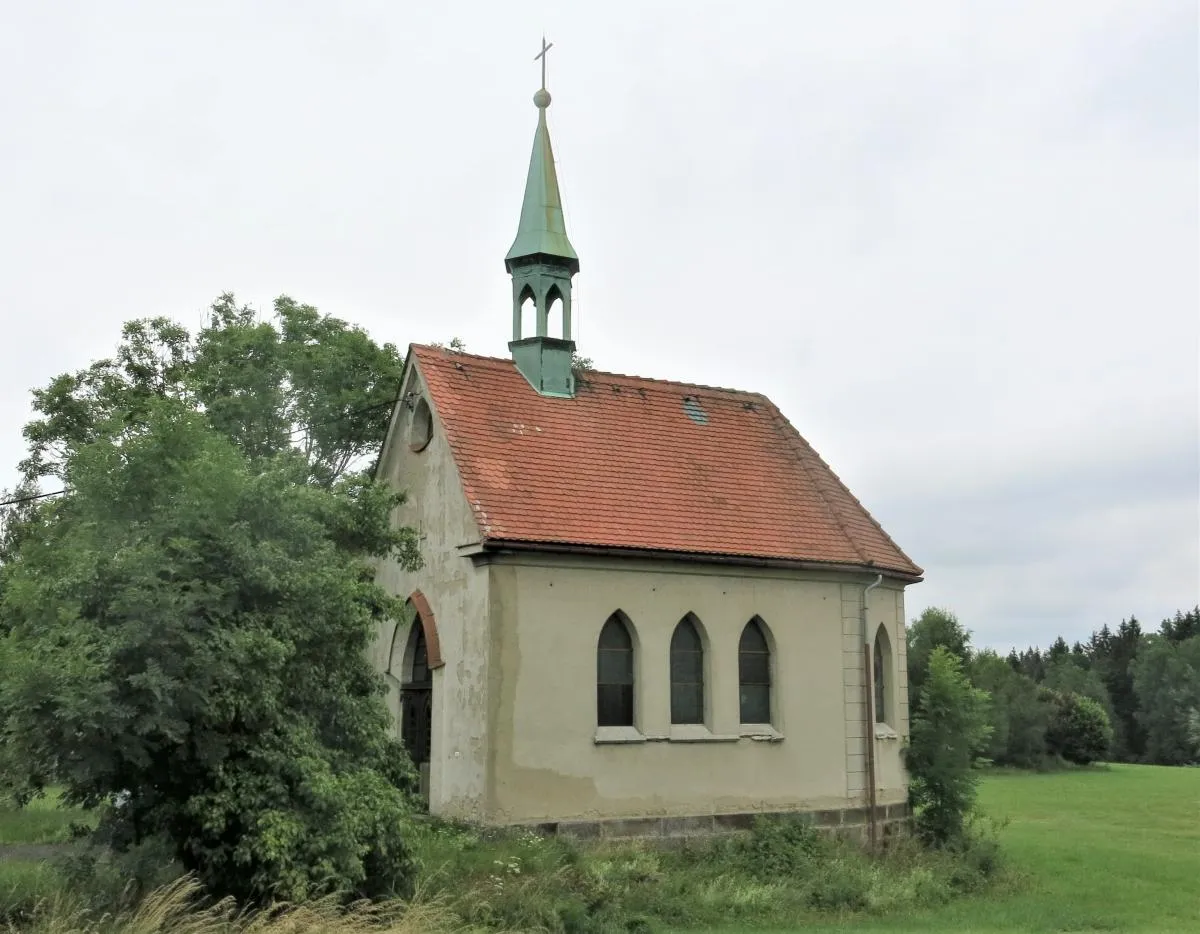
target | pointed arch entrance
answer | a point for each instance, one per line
(416, 654)
(416, 698)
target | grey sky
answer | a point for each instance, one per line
(956, 242)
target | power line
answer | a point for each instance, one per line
(291, 434)
(29, 499)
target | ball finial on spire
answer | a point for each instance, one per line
(541, 99)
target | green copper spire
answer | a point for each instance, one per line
(541, 262)
(542, 230)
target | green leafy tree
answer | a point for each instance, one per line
(1166, 679)
(185, 650)
(1067, 676)
(1079, 730)
(948, 735)
(934, 628)
(1017, 712)
(19, 510)
(302, 381)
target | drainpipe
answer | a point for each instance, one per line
(869, 713)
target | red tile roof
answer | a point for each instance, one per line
(634, 463)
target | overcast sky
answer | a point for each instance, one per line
(956, 242)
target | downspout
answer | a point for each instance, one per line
(869, 713)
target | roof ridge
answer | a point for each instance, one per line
(448, 353)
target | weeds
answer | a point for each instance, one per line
(180, 908)
(471, 880)
(781, 870)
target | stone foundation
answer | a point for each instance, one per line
(849, 823)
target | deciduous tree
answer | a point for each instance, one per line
(948, 734)
(186, 639)
(1166, 680)
(300, 381)
(933, 628)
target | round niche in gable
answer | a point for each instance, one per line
(420, 431)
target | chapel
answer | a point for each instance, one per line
(645, 607)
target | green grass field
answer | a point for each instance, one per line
(44, 821)
(1113, 849)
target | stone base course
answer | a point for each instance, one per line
(849, 823)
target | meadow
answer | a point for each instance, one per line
(1104, 849)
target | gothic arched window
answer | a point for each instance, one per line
(687, 673)
(754, 674)
(880, 665)
(614, 673)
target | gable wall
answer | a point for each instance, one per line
(547, 614)
(457, 594)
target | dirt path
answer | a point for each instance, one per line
(28, 852)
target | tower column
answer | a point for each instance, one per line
(543, 315)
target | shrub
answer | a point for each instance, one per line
(947, 735)
(1079, 730)
(112, 881)
(779, 847)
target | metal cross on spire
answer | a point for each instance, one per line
(546, 47)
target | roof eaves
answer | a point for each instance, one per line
(497, 544)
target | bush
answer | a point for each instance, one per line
(111, 882)
(189, 638)
(947, 735)
(1079, 730)
(779, 847)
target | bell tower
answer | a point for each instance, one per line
(542, 262)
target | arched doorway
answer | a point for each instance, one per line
(416, 703)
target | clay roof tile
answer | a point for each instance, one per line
(645, 464)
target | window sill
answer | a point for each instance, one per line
(697, 733)
(761, 733)
(883, 731)
(619, 735)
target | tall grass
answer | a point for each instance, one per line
(180, 908)
(782, 871)
(43, 820)
(513, 880)
(519, 881)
